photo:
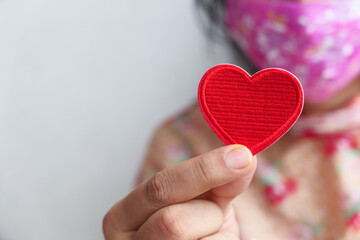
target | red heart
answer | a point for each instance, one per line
(254, 111)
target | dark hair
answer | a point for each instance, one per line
(211, 14)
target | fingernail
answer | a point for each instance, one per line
(238, 158)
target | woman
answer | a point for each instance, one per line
(306, 185)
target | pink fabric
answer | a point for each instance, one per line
(318, 42)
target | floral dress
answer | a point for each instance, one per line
(306, 186)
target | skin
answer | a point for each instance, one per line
(336, 101)
(188, 200)
(193, 199)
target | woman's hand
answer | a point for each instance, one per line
(188, 200)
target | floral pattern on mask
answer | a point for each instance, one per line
(318, 42)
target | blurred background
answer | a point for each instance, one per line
(83, 84)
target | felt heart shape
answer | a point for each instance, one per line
(254, 111)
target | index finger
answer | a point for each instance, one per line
(178, 183)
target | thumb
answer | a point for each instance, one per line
(222, 195)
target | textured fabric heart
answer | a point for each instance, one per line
(254, 111)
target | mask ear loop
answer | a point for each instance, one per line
(211, 17)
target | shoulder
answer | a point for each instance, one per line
(185, 135)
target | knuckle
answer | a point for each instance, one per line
(203, 169)
(170, 224)
(107, 225)
(159, 190)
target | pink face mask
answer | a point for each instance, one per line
(318, 42)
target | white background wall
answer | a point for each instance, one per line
(83, 83)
